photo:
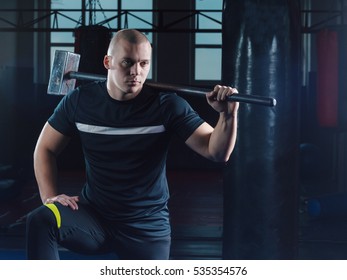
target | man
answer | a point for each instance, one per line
(125, 129)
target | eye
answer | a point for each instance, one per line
(127, 62)
(144, 64)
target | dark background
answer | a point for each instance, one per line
(321, 147)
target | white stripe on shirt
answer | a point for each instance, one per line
(119, 131)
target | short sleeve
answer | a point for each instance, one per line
(181, 118)
(63, 116)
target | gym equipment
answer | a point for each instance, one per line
(261, 51)
(91, 43)
(331, 77)
(327, 78)
(64, 74)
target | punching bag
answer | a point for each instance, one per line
(327, 78)
(261, 56)
(91, 42)
(331, 77)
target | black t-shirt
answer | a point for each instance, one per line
(125, 146)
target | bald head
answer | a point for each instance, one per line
(131, 36)
(128, 63)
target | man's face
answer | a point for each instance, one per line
(128, 65)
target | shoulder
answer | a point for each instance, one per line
(172, 102)
(85, 92)
(92, 87)
(171, 98)
(164, 99)
(163, 95)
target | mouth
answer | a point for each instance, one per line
(133, 83)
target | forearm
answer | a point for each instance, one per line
(223, 137)
(45, 167)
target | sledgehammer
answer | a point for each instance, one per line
(64, 74)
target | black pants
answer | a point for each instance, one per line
(83, 231)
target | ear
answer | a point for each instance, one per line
(107, 61)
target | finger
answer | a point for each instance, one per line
(222, 93)
(217, 88)
(233, 90)
(212, 94)
(63, 201)
(70, 201)
(72, 204)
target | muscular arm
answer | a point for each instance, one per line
(217, 143)
(48, 147)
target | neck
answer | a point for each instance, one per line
(119, 94)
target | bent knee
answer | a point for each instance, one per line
(43, 216)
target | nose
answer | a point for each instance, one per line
(135, 69)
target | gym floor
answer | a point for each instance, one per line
(196, 206)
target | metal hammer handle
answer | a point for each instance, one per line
(84, 76)
(246, 98)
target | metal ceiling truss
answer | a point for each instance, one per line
(12, 20)
(46, 20)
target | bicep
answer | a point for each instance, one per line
(199, 140)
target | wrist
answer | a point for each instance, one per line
(228, 115)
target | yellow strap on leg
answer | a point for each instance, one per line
(56, 213)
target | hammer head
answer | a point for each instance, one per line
(63, 63)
